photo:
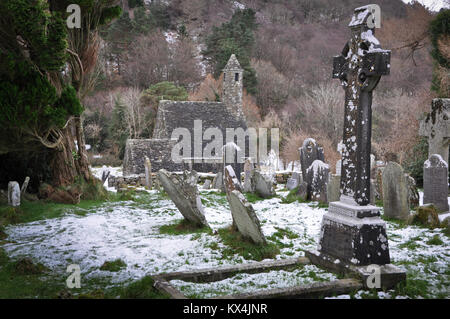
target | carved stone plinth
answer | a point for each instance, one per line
(354, 234)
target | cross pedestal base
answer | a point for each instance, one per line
(354, 234)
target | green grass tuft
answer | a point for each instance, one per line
(113, 266)
(244, 247)
(141, 289)
(293, 196)
(253, 198)
(435, 240)
(182, 227)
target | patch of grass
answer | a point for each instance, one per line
(285, 232)
(244, 247)
(397, 222)
(379, 202)
(113, 266)
(26, 266)
(412, 288)
(16, 282)
(411, 243)
(95, 294)
(253, 198)
(213, 246)
(38, 210)
(435, 240)
(214, 198)
(182, 227)
(281, 234)
(446, 231)
(141, 289)
(293, 196)
(319, 205)
(3, 234)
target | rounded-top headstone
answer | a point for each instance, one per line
(435, 182)
(395, 192)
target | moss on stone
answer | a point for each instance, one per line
(426, 216)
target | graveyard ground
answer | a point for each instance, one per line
(119, 242)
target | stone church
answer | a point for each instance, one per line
(182, 114)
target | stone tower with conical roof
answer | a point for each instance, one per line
(232, 86)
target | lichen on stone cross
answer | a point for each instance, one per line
(359, 67)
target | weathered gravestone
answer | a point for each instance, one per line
(309, 152)
(231, 181)
(148, 173)
(294, 181)
(262, 184)
(396, 192)
(24, 187)
(218, 181)
(333, 189)
(436, 128)
(13, 194)
(352, 230)
(183, 191)
(245, 218)
(207, 184)
(248, 171)
(435, 182)
(231, 154)
(340, 149)
(317, 179)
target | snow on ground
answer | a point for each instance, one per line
(129, 230)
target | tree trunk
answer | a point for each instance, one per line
(68, 163)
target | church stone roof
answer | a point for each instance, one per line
(233, 64)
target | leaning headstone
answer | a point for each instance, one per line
(248, 170)
(148, 173)
(293, 181)
(333, 189)
(183, 191)
(207, 184)
(24, 187)
(435, 182)
(13, 194)
(436, 128)
(317, 179)
(395, 192)
(352, 230)
(262, 184)
(309, 152)
(245, 218)
(231, 181)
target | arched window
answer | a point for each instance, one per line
(236, 76)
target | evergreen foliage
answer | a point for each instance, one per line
(234, 37)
